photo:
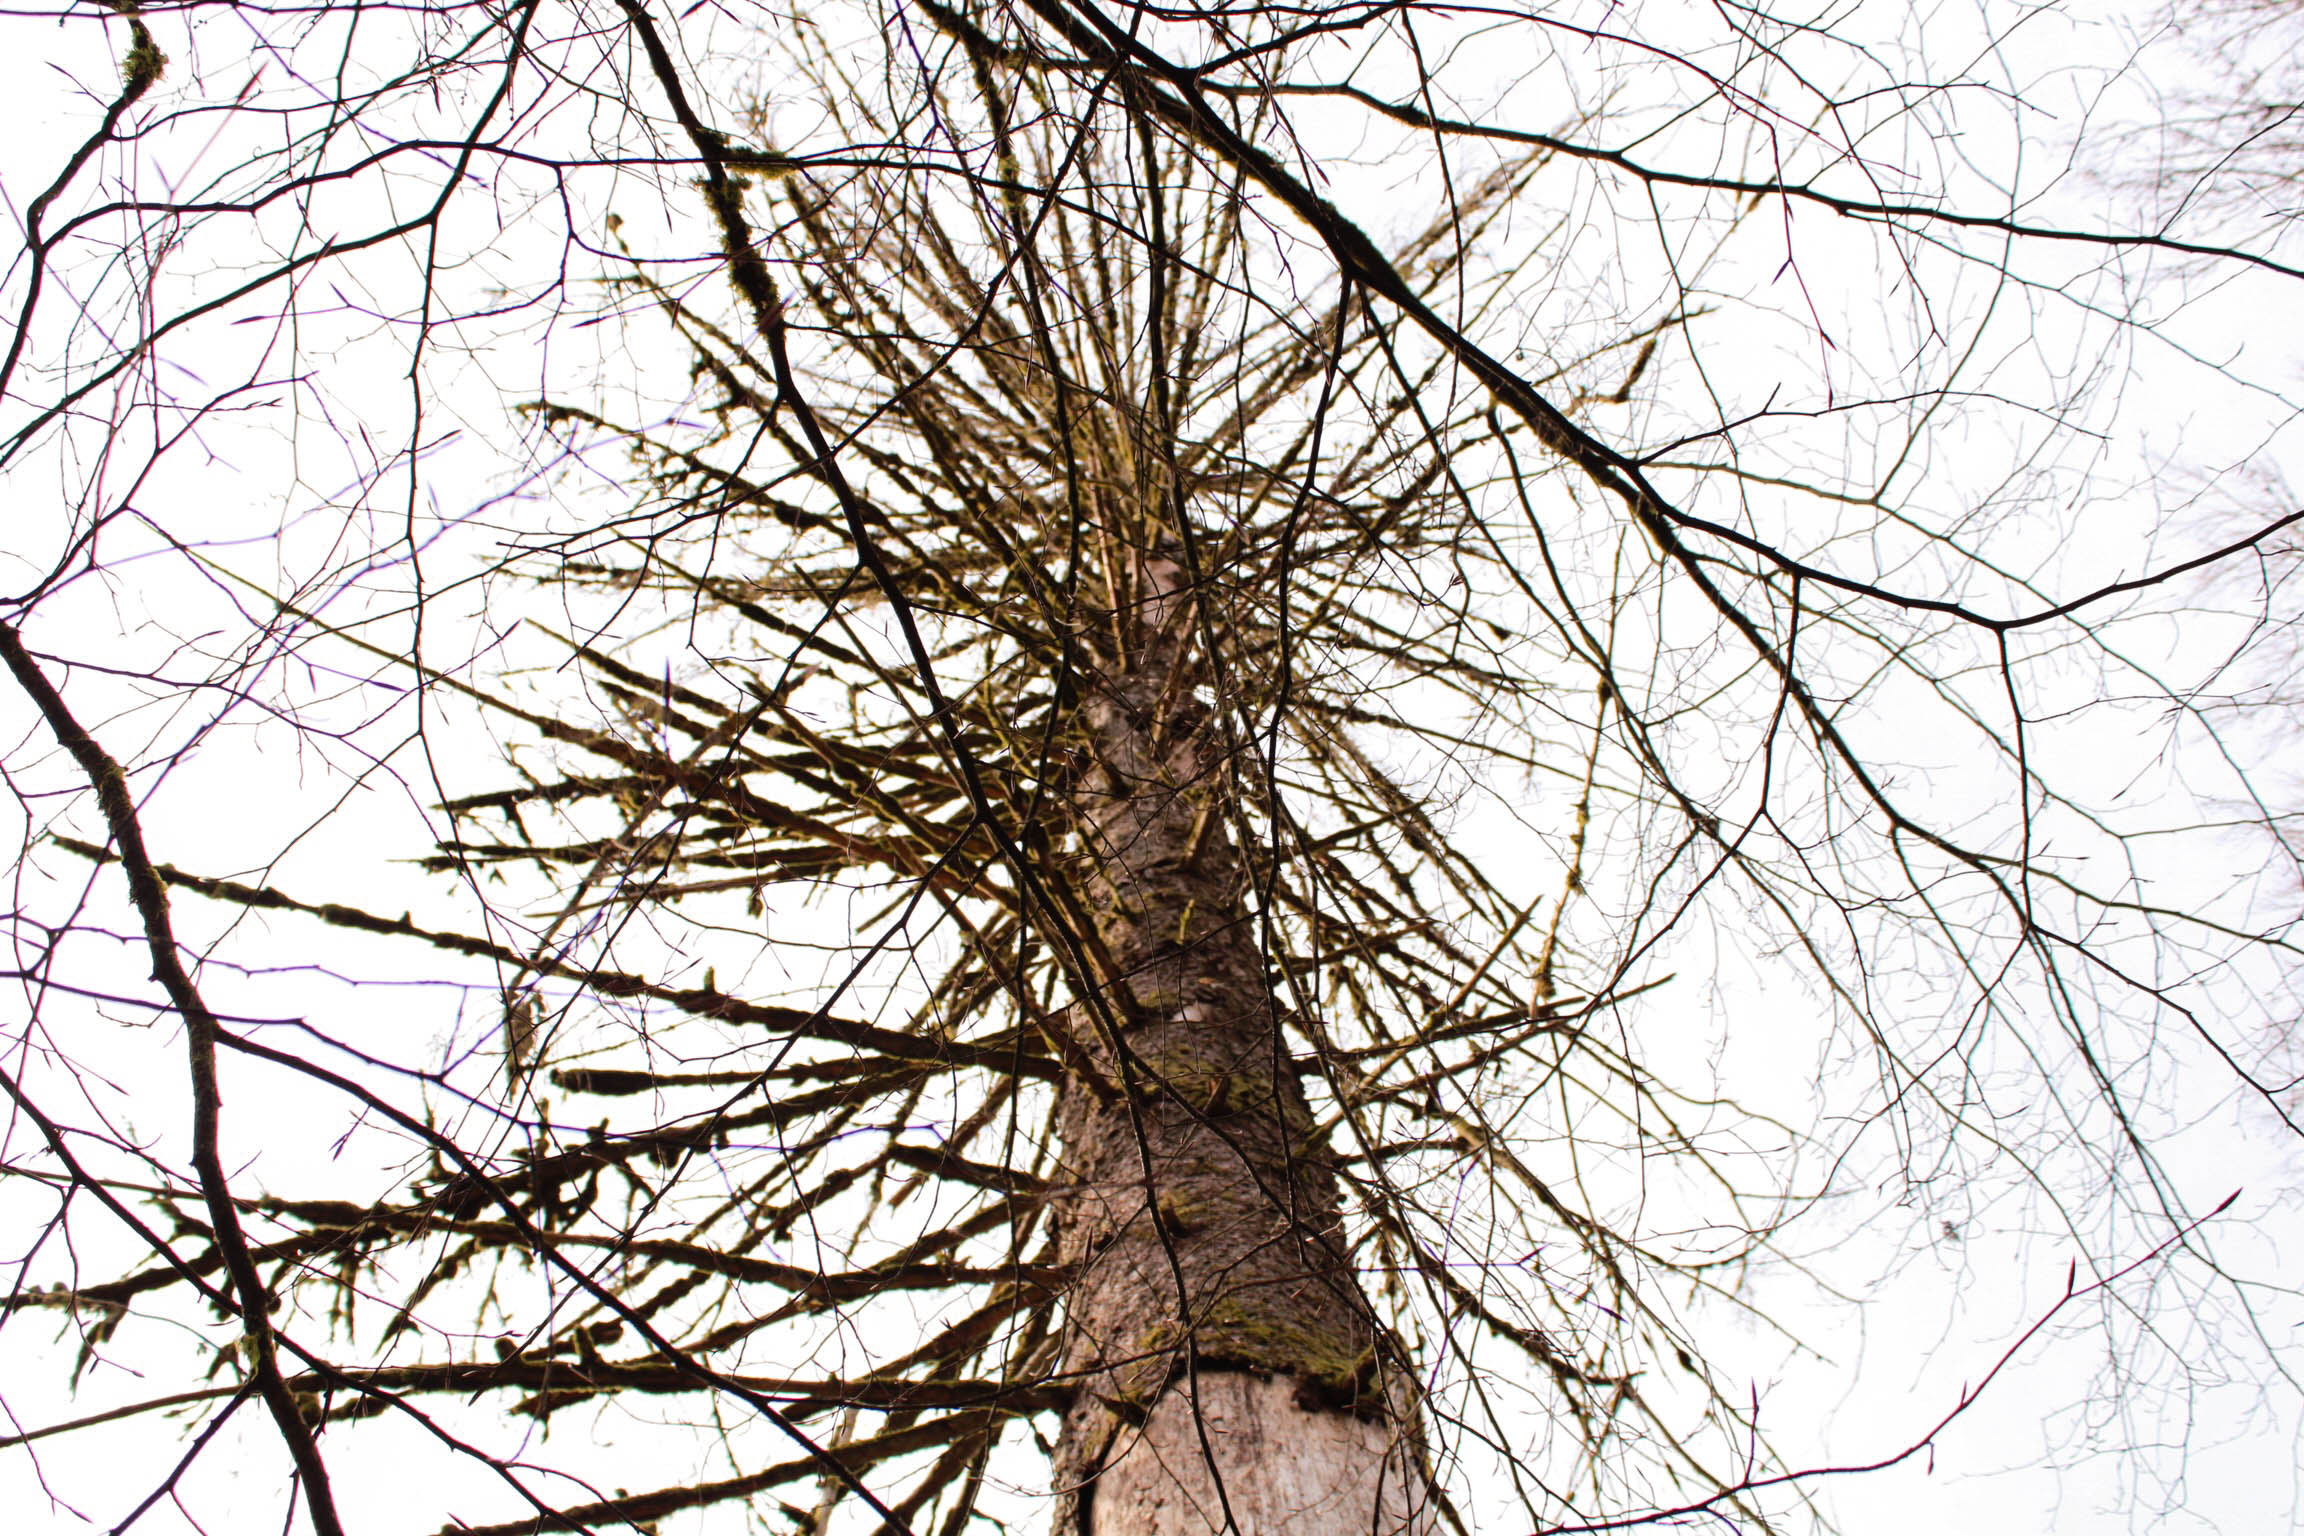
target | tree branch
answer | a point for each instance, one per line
(200, 1030)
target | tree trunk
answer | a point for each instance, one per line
(1229, 1374)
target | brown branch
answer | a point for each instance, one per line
(1182, 107)
(704, 1002)
(200, 1031)
(527, 1372)
(2073, 1291)
(1847, 207)
(541, 1243)
(634, 1508)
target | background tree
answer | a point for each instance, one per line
(2219, 102)
(1308, 778)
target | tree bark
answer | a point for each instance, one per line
(1229, 1375)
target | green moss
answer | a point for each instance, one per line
(1241, 1093)
(1179, 1213)
(1158, 1338)
(1235, 1336)
(1353, 1384)
(144, 62)
(1189, 1077)
(1266, 1339)
(1213, 1089)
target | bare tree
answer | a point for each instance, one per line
(1084, 798)
(2227, 133)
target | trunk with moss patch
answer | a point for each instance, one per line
(1229, 1374)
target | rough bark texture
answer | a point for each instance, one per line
(1202, 1216)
